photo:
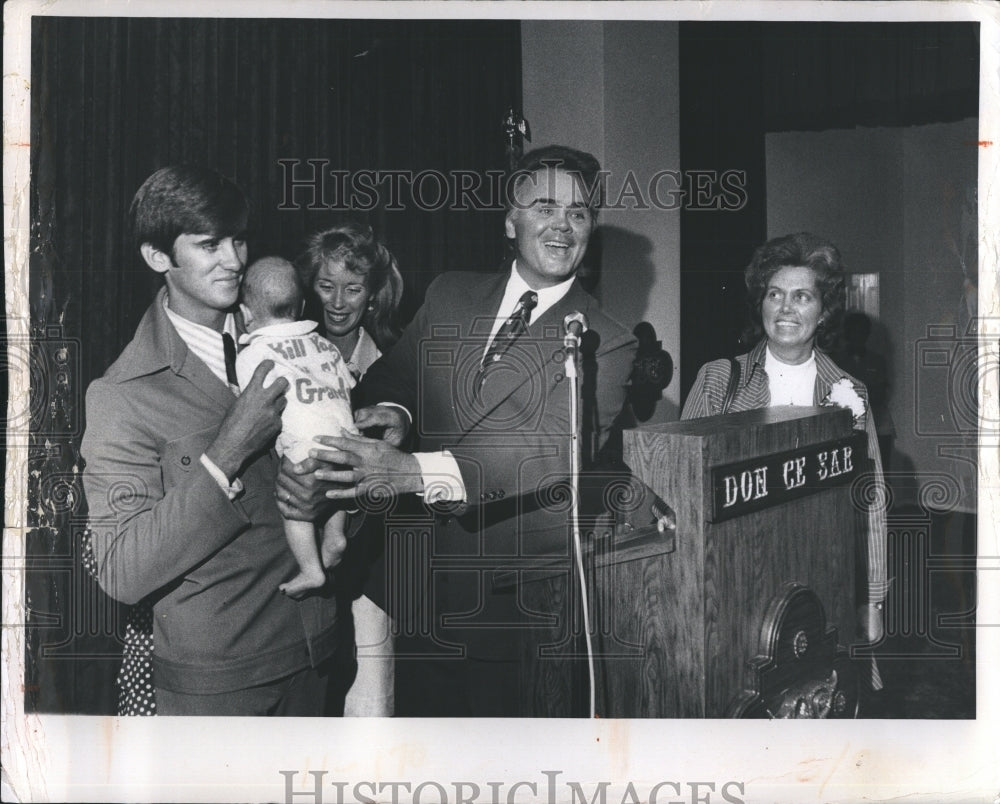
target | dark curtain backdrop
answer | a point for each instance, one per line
(739, 81)
(115, 99)
(721, 128)
(839, 75)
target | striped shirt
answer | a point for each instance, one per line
(709, 392)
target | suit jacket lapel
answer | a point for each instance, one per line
(575, 300)
(482, 307)
(166, 342)
(550, 326)
(544, 333)
(202, 378)
(827, 373)
(481, 310)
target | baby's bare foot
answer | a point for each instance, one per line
(303, 583)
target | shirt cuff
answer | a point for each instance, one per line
(877, 591)
(441, 476)
(409, 415)
(220, 477)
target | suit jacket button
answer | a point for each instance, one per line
(500, 494)
(493, 495)
(186, 460)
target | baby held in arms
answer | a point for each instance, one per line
(318, 398)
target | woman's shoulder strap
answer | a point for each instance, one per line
(732, 386)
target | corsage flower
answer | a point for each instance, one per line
(843, 395)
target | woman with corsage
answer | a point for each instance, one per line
(795, 286)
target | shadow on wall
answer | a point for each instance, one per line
(862, 348)
(652, 371)
(620, 272)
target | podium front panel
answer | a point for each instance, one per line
(678, 630)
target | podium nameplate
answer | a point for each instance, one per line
(769, 480)
(676, 631)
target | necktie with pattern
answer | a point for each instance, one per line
(512, 329)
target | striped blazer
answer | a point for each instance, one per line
(709, 392)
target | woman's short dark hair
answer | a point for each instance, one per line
(186, 199)
(802, 250)
(355, 245)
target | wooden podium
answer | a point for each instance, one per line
(733, 614)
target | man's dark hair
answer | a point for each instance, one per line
(186, 199)
(579, 163)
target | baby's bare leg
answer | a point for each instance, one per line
(302, 542)
(334, 540)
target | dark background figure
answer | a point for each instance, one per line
(651, 372)
(854, 356)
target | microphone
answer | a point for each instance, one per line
(575, 324)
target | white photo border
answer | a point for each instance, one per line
(78, 758)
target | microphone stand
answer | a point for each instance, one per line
(571, 344)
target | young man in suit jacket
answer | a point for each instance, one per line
(180, 474)
(479, 375)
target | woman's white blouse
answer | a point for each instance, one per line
(790, 385)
